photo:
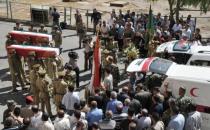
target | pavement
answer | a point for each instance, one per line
(70, 42)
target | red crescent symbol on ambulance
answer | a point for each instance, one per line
(192, 92)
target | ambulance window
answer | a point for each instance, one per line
(160, 66)
(200, 63)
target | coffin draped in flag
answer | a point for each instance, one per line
(96, 76)
(41, 52)
(21, 36)
(179, 46)
(140, 65)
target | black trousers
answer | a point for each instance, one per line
(77, 76)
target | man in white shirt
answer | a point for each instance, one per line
(36, 119)
(111, 21)
(78, 118)
(144, 120)
(177, 27)
(69, 99)
(46, 124)
(191, 23)
(61, 122)
(194, 119)
(108, 80)
(105, 31)
(177, 120)
(187, 32)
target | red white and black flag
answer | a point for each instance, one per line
(96, 68)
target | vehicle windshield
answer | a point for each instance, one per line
(160, 66)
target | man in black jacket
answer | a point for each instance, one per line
(95, 19)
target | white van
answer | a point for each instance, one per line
(197, 89)
(200, 59)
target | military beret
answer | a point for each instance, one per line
(42, 71)
(36, 65)
(106, 51)
(29, 99)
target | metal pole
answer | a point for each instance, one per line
(31, 14)
(7, 8)
(70, 15)
(87, 18)
(195, 23)
(64, 14)
(43, 21)
(10, 6)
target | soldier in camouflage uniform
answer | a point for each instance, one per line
(105, 54)
(59, 62)
(152, 47)
(43, 85)
(33, 75)
(19, 62)
(31, 28)
(114, 71)
(13, 60)
(42, 29)
(87, 52)
(59, 87)
(183, 101)
(70, 75)
(78, 18)
(81, 32)
(112, 46)
(51, 67)
(10, 41)
(17, 27)
(56, 36)
(31, 59)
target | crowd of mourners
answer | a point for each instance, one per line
(139, 105)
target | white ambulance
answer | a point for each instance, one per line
(196, 80)
(197, 87)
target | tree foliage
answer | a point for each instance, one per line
(203, 4)
(176, 5)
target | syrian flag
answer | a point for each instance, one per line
(96, 73)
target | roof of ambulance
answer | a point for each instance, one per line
(194, 72)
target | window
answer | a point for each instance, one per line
(200, 63)
(160, 66)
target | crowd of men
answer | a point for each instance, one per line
(138, 106)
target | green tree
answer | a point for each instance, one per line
(176, 5)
